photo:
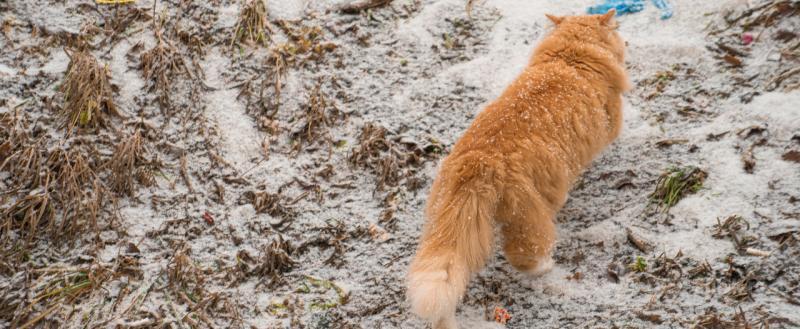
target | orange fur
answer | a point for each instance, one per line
(516, 162)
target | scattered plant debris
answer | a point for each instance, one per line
(54, 288)
(675, 184)
(638, 242)
(358, 6)
(667, 267)
(731, 227)
(319, 115)
(56, 192)
(638, 265)
(321, 304)
(391, 159)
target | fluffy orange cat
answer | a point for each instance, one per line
(516, 162)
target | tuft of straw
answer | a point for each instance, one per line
(87, 92)
(128, 166)
(252, 25)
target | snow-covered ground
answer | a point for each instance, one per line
(422, 69)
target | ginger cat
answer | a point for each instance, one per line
(516, 162)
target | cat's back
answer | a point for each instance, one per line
(537, 101)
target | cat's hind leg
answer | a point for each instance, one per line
(529, 233)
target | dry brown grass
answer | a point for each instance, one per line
(58, 189)
(318, 116)
(23, 159)
(733, 227)
(371, 142)
(63, 200)
(120, 21)
(187, 281)
(275, 259)
(54, 190)
(277, 65)
(272, 204)
(185, 276)
(129, 166)
(253, 90)
(161, 65)
(713, 319)
(79, 193)
(52, 289)
(392, 159)
(88, 94)
(252, 26)
(29, 212)
(305, 45)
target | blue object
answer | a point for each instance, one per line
(622, 6)
(629, 7)
(666, 9)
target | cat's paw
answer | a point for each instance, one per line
(542, 267)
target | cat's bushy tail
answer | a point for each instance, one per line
(456, 241)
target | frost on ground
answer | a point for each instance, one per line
(250, 165)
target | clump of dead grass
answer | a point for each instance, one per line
(252, 26)
(187, 280)
(371, 143)
(52, 289)
(743, 289)
(392, 160)
(161, 66)
(667, 267)
(730, 226)
(701, 269)
(318, 116)
(275, 259)
(23, 158)
(253, 90)
(88, 94)
(78, 192)
(304, 45)
(129, 166)
(270, 203)
(332, 235)
(56, 191)
(116, 23)
(59, 189)
(29, 212)
(675, 184)
(377, 153)
(185, 276)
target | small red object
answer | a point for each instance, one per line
(209, 219)
(747, 38)
(501, 315)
